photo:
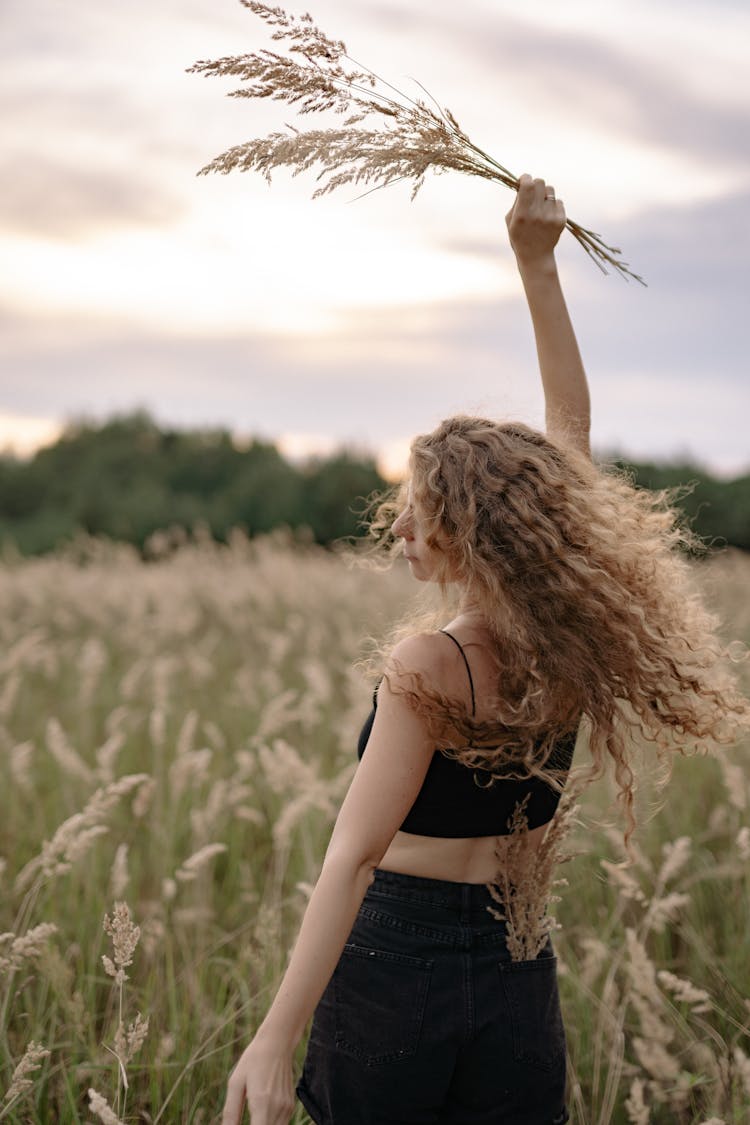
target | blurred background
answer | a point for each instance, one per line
(176, 349)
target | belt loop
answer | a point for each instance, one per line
(466, 890)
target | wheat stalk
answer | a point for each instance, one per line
(318, 75)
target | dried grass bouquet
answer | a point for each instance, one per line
(317, 74)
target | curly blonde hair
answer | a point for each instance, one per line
(585, 586)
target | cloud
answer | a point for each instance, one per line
(51, 197)
(97, 93)
(692, 318)
(690, 325)
(103, 130)
(383, 379)
(590, 77)
(662, 382)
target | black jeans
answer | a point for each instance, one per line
(427, 1021)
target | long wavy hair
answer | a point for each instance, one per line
(584, 584)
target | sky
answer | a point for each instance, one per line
(129, 282)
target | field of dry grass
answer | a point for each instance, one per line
(176, 737)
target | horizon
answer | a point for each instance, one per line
(304, 452)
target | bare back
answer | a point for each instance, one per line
(474, 859)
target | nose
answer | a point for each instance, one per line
(402, 526)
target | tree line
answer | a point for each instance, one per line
(129, 478)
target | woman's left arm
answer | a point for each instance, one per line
(383, 790)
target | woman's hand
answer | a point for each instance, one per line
(262, 1078)
(535, 222)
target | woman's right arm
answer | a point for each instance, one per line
(383, 790)
(535, 223)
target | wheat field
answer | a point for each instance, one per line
(175, 738)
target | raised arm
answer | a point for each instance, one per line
(535, 222)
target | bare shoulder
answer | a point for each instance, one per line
(421, 650)
(432, 656)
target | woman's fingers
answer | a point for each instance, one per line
(263, 1081)
(235, 1098)
(234, 1102)
(536, 219)
(532, 195)
(540, 189)
(527, 188)
(535, 191)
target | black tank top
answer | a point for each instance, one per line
(452, 804)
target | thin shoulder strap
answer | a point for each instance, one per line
(468, 669)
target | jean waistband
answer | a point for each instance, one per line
(437, 892)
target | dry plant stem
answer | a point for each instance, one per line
(616, 1057)
(125, 936)
(245, 587)
(23, 917)
(416, 139)
(523, 888)
(196, 1056)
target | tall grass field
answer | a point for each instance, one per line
(175, 739)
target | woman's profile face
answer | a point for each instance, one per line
(409, 526)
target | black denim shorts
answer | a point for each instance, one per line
(427, 1021)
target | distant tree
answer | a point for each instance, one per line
(718, 511)
(335, 492)
(266, 492)
(127, 478)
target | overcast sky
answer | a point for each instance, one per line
(128, 281)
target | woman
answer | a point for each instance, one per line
(571, 602)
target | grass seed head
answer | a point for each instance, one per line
(125, 935)
(130, 1039)
(20, 1082)
(317, 75)
(635, 1106)
(101, 1107)
(26, 947)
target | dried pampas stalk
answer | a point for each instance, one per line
(524, 885)
(317, 75)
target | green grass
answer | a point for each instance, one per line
(225, 675)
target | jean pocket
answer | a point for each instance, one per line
(379, 1000)
(530, 989)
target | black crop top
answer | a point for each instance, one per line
(451, 804)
